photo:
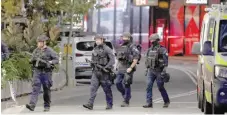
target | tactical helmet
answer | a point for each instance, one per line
(127, 34)
(154, 37)
(99, 37)
(42, 38)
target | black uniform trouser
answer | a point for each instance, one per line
(41, 79)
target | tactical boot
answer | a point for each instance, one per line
(30, 107)
(108, 107)
(125, 104)
(88, 106)
(46, 109)
(148, 106)
(166, 105)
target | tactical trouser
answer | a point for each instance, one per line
(124, 89)
(152, 76)
(105, 82)
(44, 79)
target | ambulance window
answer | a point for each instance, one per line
(214, 33)
(202, 34)
(222, 44)
(211, 30)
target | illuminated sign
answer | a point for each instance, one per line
(145, 2)
(163, 4)
(196, 2)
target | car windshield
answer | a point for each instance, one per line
(89, 45)
(223, 36)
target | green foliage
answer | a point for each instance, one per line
(19, 40)
(33, 30)
(16, 67)
(13, 36)
(10, 8)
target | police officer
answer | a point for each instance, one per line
(156, 63)
(102, 55)
(43, 59)
(4, 51)
(128, 59)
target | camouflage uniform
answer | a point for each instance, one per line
(42, 74)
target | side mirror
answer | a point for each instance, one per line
(207, 48)
(196, 48)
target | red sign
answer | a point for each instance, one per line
(175, 45)
(192, 27)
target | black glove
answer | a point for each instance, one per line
(166, 77)
(113, 76)
(163, 71)
(128, 79)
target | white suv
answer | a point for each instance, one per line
(82, 49)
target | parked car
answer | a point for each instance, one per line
(82, 49)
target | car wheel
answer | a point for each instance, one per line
(218, 110)
(207, 106)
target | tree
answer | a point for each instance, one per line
(24, 39)
(75, 10)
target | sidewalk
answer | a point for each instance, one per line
(184, 58)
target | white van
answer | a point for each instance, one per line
(82, 49)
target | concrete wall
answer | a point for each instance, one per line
(25, 87)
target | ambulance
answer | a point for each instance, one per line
(212, 62)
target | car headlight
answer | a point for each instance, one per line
(221, 71)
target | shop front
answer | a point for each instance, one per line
(182, 27)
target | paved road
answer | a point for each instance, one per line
(181, 89)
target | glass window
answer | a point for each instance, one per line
(211, 29)
(89, 45)
(223, 36)
(213, 36)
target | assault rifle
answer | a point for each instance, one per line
(112, 74)
(38, 60)
(96, 65)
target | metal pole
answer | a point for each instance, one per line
(114, 36)
(131, 17)
(99, 18)
(149, 27)
(140, 26)
(68, 40)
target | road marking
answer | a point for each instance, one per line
(180, 102)
(195, 76)
(175, 96)
(186, 72)
(183, 94)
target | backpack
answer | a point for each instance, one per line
(140, 50)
